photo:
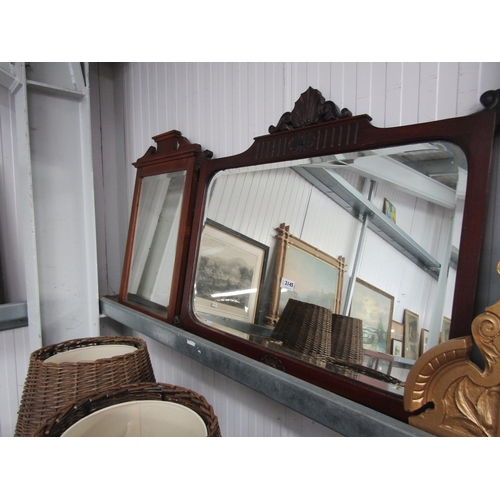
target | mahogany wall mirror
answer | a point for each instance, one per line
(159, 230)
(380, 225)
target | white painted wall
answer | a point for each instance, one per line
(222, 106)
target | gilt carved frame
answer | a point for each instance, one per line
(451, 395)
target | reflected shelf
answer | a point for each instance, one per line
(350, 199)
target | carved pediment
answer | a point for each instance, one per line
(309, 109)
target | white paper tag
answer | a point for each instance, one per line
(287, 284)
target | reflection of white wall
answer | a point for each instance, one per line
(158, 223)
(153, 193)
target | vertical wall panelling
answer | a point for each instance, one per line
(14, 355)
(409, 93)
(428, 92)
(378, 75)
(447, 90)
(109, 149)
(222, 106)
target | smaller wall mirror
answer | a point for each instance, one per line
(159, 227)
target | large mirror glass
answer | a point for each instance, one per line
(346, 261)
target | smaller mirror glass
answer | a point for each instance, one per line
(155, 240)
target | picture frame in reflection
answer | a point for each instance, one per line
(397, 347)
(412, 335)
(397, 331)
(2, 293)
(424, 339)
(445, 330)
(375, 308)
(304, 273)
(390, 210)
(229, 274)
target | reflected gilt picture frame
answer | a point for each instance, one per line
(412, 335)
(304, 273)
(230, 273)
(375, 308)
(424, 339)
(445, 330)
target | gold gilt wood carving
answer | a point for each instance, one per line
(454, 396)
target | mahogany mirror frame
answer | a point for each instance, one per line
(173, 153)
(306, 132)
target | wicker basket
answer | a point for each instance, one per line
(314, 331)
(347, 339)
(62, 373)
(61, 421)
(305, 328)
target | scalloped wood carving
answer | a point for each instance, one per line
(461, 399)
(309, 109)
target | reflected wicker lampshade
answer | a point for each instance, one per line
(305, 328)
(61, 373)
(347, 339)
(314, 331)
(72, 414)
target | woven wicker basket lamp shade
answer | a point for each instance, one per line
(59, 374)
(315, 331)
(305, 328)
(347, 339)
(67, 418)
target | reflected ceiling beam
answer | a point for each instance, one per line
(385, 169)
(339, 190)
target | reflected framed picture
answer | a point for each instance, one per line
(2, 293)
(445, 330)
(412, 335)
(397, 330)
(230, 273)
(424, 339)
(390, 210)
(375, 308)
(396, 347)
(304, 273)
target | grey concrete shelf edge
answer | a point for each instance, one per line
(335, 412)
(13, 315)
